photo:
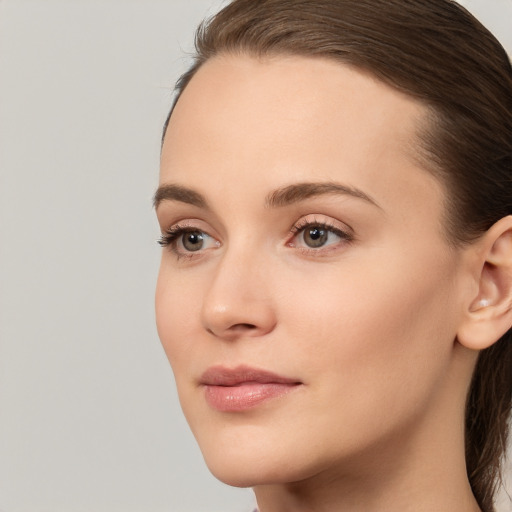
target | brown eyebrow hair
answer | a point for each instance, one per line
(278, 198)
(171, 192)
(300, 191)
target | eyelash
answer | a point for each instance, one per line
(302, 225)
(173, 234)
(171, 237)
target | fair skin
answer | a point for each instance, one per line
(314, 249)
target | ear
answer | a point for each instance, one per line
(489, 314)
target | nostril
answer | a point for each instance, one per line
(243, 327)
(235, 329)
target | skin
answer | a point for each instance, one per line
(367, 323)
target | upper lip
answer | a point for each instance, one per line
(221, 376)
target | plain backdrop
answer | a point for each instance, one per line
(89, 419)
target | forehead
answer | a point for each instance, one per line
(288, 88)
(285, 117)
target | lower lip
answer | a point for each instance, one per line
(244, 396)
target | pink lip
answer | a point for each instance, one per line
(242, 388)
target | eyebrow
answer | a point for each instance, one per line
(171, 192)
(300, 191)
(278, 198)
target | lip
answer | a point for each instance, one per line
(243, 387)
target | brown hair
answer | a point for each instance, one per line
(438, 53)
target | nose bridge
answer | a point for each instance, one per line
(237, 300)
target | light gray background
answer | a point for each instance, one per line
(89, 419)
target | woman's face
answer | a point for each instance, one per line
(307, 299)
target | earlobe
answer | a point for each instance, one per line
(482, 303)
(489, 315)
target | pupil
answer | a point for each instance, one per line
(193, 241)
(315, 234)
(315, 237)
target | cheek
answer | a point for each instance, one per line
(374, 334)
(177, 309)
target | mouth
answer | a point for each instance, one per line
(243, 388)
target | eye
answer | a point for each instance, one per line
(317, 235)
(184, 241)
(193, 240)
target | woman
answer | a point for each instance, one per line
(335, 292)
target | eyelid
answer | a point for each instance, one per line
(170, 238)
(324, 221)
(342, 230)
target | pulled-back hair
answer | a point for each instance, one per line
(438, 53)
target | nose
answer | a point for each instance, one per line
(238, 302)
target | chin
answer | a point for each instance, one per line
(243, 472)
(249, 449)
(255, 461)
(241, 464)
(236, 477)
